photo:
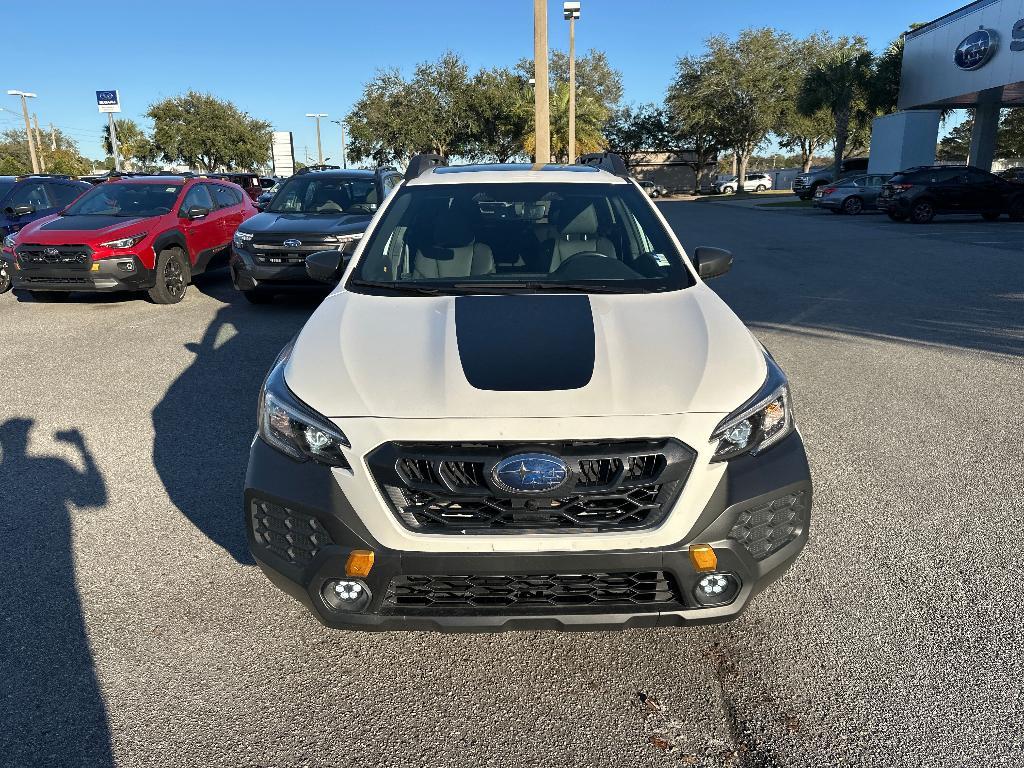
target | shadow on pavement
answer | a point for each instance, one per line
(51, 708)
(206, 420)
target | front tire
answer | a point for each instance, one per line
(761, 188)
(922, 212)
(852, 206)
(172, 277)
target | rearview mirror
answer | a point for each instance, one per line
(712, 262)
(197, 212)
(324, 266)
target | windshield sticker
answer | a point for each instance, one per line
(171, 189)
(661, 259)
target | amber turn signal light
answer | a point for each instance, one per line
(359, 563)
(703, 557)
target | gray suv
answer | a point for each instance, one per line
(806, 184)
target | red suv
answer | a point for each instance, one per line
(138, 233)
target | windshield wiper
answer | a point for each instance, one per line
(397, 287)
(536, 286)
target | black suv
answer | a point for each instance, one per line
(919, 193)
(314, 210)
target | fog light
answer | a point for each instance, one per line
(346, 594)
(717, 589)
(127, 266)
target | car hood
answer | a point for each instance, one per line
(524, 355)
(58, 229)
(300, 223)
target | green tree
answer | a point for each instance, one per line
(591, 116)
(1011, 133)
(500, 115)
(835, 83)
(134, 146)
(59, 151)
(595, 76)
(208, 134)
(956, 145)
(696, 121)
(380, 125)
(806, 134)
(439, 92)
(632, 130)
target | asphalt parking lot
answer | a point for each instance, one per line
(137, 632)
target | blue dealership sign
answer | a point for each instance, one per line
(108, 101)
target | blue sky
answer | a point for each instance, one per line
(279, 61)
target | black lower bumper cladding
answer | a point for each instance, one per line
(302, 528)
(122, 273)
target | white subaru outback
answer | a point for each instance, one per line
(522, 408)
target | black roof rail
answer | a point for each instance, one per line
(320, 167)
(422, 163)
(44, 176)
(606, 161)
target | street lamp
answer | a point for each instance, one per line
(28, 126)
(571, 12)
(319, 151)
(341, 124)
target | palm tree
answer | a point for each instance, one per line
(834, 84)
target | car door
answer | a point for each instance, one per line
(203, 234)
(987, 191)
(229, 209)
(872, 187)
(947, 188)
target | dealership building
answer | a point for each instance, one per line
(972, 57)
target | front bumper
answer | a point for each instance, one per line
(123, 273)
(248, 275)
(320, 512)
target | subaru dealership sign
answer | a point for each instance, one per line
(108, 101)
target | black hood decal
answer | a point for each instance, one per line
(87, 223)
(525, 343)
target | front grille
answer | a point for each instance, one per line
(33, 254)
(56, 280)
(270, 249)
(547, 593)
(290, 535)
(611, 486)
(768, 528)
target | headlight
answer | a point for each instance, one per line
(9, 242)
(345, 242)
(241, 238)
(759, 423)
(124, 242)
(295, 429)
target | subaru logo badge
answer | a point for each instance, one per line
(976, 50)
(51, 252)
(530, 473)
(292, 243)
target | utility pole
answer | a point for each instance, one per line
(28, 126)
(541, 102)
(344, 160)
(39, 145)
(571, 11)
(319, 149)
(113, 142)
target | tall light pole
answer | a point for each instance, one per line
(28, 126)
(341, 124)
(319, 150)
(541, 103)
(571, 12)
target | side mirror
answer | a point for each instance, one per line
(712, 262)
(324, 266)
(258, 206)
(197, 212)
(22, 210)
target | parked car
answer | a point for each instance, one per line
(652, 189)
(463, 440)
(851, 195)
(267, 195)
(1012, 174)
(728, 185)
(24, 199)
(151, 233)
(919, 193)
(249, 182)
(312, 210)
(806, 184)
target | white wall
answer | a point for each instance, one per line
(903, 140)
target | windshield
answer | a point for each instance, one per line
(5, 187)
(331, 195)
(452, 238)
(126, 199)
